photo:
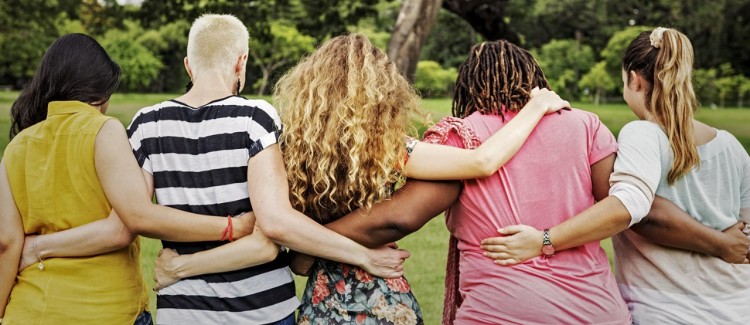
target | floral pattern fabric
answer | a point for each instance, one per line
(338, 293)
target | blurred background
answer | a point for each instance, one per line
(577, 42)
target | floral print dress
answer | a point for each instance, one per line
(338, 293)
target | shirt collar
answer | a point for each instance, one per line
(69, 107)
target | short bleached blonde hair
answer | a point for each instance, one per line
(215, 42)
(346, 111)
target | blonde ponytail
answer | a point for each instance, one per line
(665, 58)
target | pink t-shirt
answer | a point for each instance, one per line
(545, 183)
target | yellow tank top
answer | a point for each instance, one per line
(52, 175)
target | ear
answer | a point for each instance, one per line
(240, 65)
(187, 68)
(636, 81)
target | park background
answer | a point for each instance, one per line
(578, 43)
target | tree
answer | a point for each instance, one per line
(599, 80)
(487, 17)
(450, 40)
(563, 61)
(743, 88)
(412, 27)
(433, 80)
(139, 65)
(615, 49)
(705, 85)
(286, 46)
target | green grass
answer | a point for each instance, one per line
(426, 268)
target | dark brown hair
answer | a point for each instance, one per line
(497, 77)
(74, 67)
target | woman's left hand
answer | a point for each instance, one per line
(165, 273)
(28, 256)
(518, 244)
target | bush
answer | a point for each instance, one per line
(432, 80)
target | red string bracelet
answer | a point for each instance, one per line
(228, 233)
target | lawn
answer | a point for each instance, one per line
(425, 269)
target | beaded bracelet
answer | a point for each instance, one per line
(36, 254)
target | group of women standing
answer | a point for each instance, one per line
(511, 160)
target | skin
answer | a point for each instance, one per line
(665, 225)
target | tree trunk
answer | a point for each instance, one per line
(597, 95)
(412, 27)
(264, 81)
(487, 17)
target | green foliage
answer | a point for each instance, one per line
(139, 65)
(563, 61)
(450, 40)
(598, 81)
(286, 46)
(432, 80)
(615, 49)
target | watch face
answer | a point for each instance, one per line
(548, 250)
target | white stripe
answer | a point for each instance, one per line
(264, 315)
(202, 196)
(245, 287)
(198, 163)
(202, 129)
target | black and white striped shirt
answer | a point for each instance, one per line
(198, 158)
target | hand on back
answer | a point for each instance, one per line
(548, 99)
(518, 244)
(386, 261)
(736, 242)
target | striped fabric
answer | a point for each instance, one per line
(198, 157)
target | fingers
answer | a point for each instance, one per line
(510, 230)
(498, 256)
(495, 241)
(404, 254)
(392, 245)
(495, 248)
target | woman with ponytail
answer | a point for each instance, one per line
(667, 266)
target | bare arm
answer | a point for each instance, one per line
(410, 208)
(127, 191)
(668, 225)
(248, 251)
(437, 162)
(269, 194)
(11, 239)
(98, 237)
(604, 219)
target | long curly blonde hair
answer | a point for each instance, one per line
(345, 110)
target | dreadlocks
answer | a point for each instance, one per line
(497, 77)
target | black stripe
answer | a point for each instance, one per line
(180, 145)
(212, 112)
(217, 209)
(250, 302)
(202, 179)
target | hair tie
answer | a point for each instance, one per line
(657, 37)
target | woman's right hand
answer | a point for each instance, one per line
(547, 99)
(243, 225)
(385, 262)
(735, 247)
(28, 256)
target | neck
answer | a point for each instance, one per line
(208, 87)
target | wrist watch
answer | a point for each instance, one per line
(547, 249)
